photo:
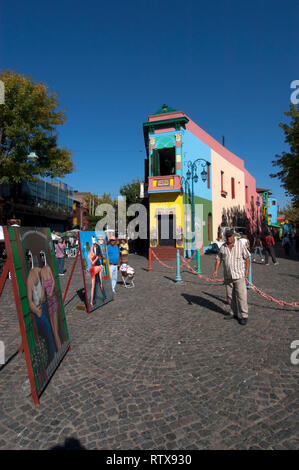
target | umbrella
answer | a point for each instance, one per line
(55, 236)
(69, 234)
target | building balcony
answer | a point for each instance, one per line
(162, 184)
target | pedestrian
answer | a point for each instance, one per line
(113, 255)
(258, 248)
(244, 240)
(236, 261)
(269, 249)
(60, 247)
(286, 243)
(124, 251)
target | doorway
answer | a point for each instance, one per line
(167, 229)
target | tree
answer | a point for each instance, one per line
(28, 120)
(132, 192)
(92, 201)
(289, 161)
(291, 213)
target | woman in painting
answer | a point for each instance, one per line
(48, 282)
(37, 303)
(95, 268)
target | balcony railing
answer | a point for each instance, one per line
(159, 184)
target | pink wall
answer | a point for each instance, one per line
(213, 144)
(250, 182)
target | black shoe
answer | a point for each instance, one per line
(243, 321)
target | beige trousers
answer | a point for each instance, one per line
(236, 296)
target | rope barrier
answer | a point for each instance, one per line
(161, 262)
(200, 275)
(254, 288)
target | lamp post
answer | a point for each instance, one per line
(191, 174)
(257, 214)
(186, 183)
(32, 158)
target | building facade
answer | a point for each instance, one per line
(196, 186)
(38, 203)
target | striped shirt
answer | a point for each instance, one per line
(233, 260)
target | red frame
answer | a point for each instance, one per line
(83, 274)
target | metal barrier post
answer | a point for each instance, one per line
(198, 262)
(149, 259)
(178, 267)
(250, 275)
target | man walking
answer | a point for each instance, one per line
(113, 255)
(269, 249)
(236, 261)
(257, 247)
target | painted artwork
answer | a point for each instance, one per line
(42, 320)
(96, 271)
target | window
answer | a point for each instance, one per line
(273, 203)
(246, 194)
(233, 187)
(223, 193)
(163, 162)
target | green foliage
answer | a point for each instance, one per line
(291, 213)
(28, 120)
(289, 161)
(91, 203)
(132, 192)
(94, 200)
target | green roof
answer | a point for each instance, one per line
(165, 109)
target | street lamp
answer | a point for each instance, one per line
(257, 214)
(32, 157)
(191, 174)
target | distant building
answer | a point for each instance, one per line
(270, 208)
(38, 204)
(80, 210)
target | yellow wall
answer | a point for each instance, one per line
(219, 202)
(165, 201)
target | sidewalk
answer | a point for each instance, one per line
(160, 368)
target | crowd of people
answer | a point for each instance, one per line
(118, 254)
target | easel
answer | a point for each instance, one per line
(15, 265)
(9, 267)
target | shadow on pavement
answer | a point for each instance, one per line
(283, 309)
(195, 299)
(70, 444)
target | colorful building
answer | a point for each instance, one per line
(195, 185)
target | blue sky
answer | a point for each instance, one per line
(227, 64)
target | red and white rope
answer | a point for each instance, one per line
(161, 262)
(254, 288)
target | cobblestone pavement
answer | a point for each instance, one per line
(161, 368)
